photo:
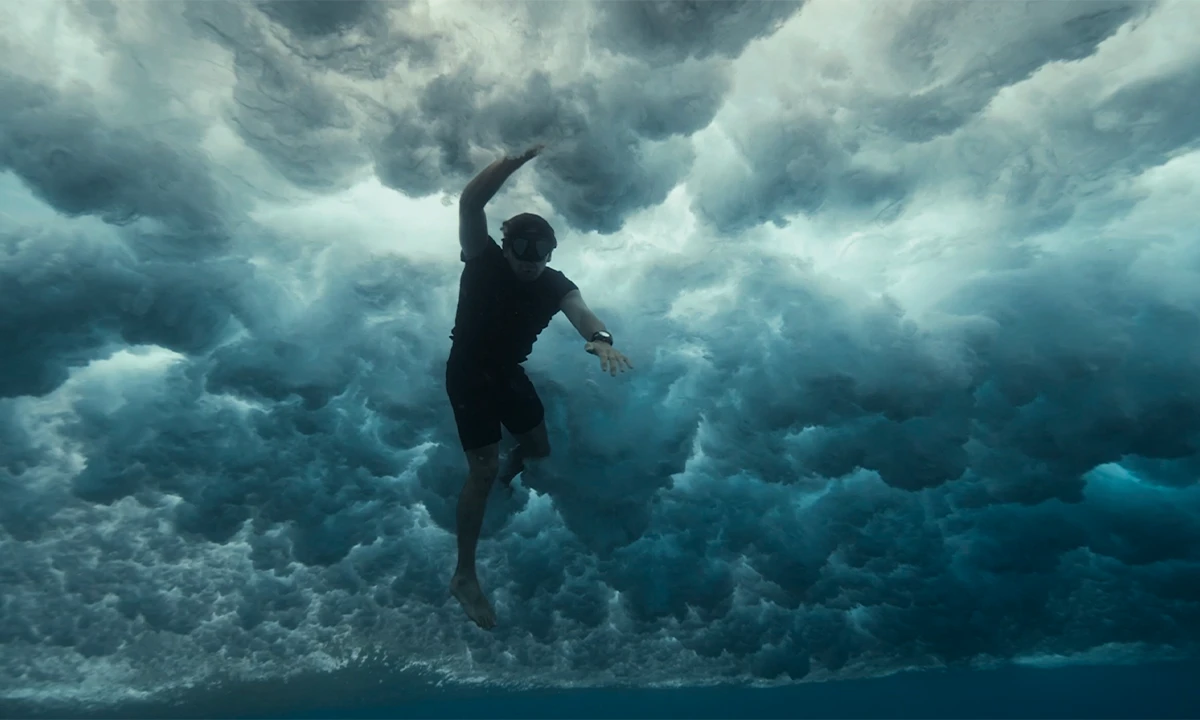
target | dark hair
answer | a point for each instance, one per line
(528, 226)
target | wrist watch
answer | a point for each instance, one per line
(601, 336)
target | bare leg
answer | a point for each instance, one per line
(532, 445)
(513, 465)
(472, 501)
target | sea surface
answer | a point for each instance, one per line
(1160, 690)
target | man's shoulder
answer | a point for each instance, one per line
(558, 276)
(557, 283)
(491, 249)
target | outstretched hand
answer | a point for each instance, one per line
(611, 359)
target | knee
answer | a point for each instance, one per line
(483, 465)
(482, 473)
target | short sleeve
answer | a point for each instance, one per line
(559, 286)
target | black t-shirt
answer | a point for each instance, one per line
(499, 316)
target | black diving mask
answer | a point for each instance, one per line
(531, 250)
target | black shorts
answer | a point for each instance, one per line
(486, 397)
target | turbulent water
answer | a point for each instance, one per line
(911, 291)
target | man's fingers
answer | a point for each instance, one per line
(611, 361)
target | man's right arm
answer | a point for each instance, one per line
(472, 230)
(472, 222)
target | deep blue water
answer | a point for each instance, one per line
(1162, 690)
(1145, 691)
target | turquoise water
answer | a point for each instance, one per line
(911, 291)
(1161, 690)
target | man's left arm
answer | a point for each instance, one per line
(587, 324)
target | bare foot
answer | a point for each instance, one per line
(465, 588)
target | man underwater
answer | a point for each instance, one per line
(506, 297)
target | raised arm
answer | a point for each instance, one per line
(472, 222)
